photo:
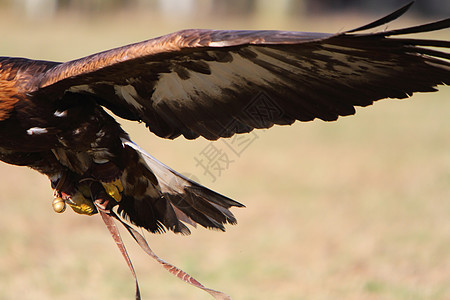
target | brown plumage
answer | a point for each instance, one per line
(194, 83)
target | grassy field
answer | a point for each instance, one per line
(356, 209)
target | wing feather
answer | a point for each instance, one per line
(217, 83)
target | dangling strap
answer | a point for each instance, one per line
(109, 222)
(108, 215)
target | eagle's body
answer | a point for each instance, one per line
(76, 143)
(194, 83)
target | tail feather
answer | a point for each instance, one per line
(170, 202)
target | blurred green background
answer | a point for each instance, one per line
(354, 209)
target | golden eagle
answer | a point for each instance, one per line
(194, 83)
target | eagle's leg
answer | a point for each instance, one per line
(78, 202)
(90, 151)
(79, 193)
(68, 189)
(114, 189)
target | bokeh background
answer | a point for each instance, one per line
(354, 209)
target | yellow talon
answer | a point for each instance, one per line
(81, 205)
(114, 189)
(82, 209)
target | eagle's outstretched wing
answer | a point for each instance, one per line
(216, 83)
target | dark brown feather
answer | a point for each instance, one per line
(305, 75)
